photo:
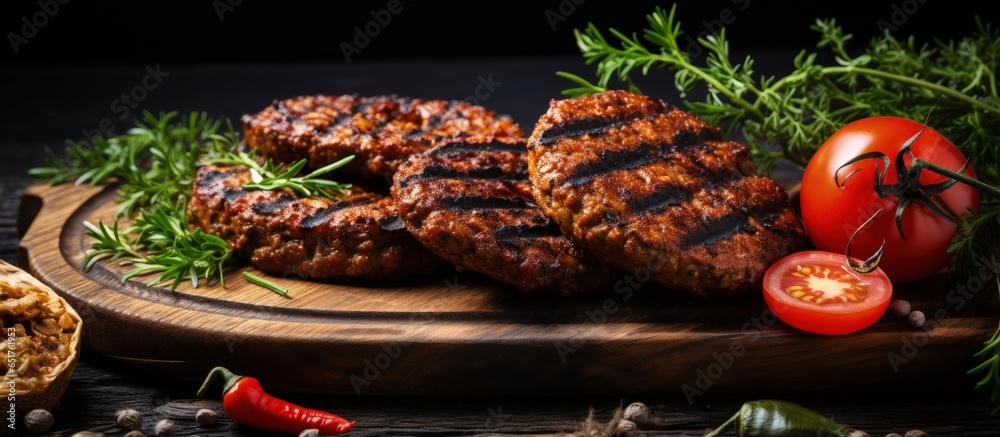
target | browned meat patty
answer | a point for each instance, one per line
(381, 131)
(470, 202)
(358, 235)
(645, 185)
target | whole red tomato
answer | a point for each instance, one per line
(832, 213)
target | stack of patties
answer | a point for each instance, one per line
(358, 235)
(608, 184)
(470, 202)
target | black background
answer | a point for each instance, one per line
(67, 80)
(250, 31)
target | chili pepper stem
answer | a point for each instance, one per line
(229, 377)
(725, 426)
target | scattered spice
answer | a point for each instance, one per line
(624, 427)
(917, 319)
(915, 433)
(206, 417)
(165, 428)
(38, 421)
(87, 434)
(128, 419)
(637, 412)
(135, 433)
(309, 433)
(893, 435)
(900, 308)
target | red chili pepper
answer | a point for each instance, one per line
(246, 402)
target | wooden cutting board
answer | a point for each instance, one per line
(461, 333)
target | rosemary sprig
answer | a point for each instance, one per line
(990, 356)
(154, 165)
(270, 175)
(160, 242)
(789, 117)
(279, 290)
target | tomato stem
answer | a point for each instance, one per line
(951, 174)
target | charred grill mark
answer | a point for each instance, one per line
(317, 217)
(439, 171)
(767, 215)
(230, 194)
(459, 147)
(617, 160)
(518, 232)
(668, 196)
(687, 139)
(719, 229)
(588, 126)
(612, 160)
(212, 176)
(272, 206)
(472, 201)
(393, 223)
(323, 215)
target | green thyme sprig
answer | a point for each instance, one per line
(160, 242)
(277, 289)
(270, 175)
(154, 165)
(789, 117)
(990, 365)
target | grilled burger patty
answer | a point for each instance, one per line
(645, 185)
(359, 235)
(470, 202)
(381, 131)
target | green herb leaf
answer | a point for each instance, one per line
(279, 290)
(155, 164)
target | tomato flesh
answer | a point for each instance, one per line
(817, 292)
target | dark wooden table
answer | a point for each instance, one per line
(45, 105)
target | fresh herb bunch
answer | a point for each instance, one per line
(797, 112)
(154, 165)
(790, 117)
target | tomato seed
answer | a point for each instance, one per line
(815, 285)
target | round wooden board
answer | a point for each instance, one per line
(457, 333)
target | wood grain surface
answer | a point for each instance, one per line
(452, 333)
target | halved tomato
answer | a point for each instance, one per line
(818, 292)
